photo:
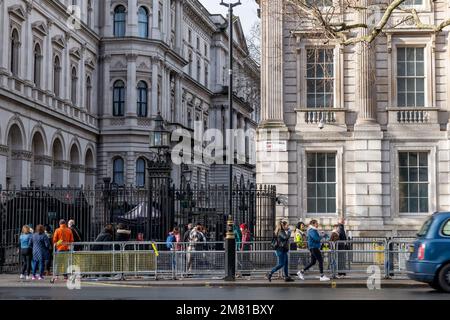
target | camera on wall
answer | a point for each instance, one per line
(321, 124)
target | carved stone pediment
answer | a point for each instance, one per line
(40, 27)
(119, 65)
(18, 11)
(76, 53)
(59, 41)
(89, 63)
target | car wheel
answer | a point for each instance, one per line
(444, 278)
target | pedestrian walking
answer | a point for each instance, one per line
(281, 245)
(25, 252)
(301, 243)
(245, 246)
(314, 244)
(186, 235)
(41, 249)
(49, 234)
(237, 236)
(63, 237)
(342, 247)
(77, 235)
(196, 243)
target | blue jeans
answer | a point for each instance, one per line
(41, 267)
(282, 262)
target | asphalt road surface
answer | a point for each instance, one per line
(111, 292)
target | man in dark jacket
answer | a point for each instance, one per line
(342, 256)
(77, 236)
(105, 236)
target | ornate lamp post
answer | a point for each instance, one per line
(230, 247)
(159, 167)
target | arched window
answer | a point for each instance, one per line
(119, 21)
(37, 65)
(143, 22)
(88, 93)
(118, 171)
(56, 75)
(15, 44)
(142, 99)
(140, 172)
(73, 86)
(119, 99)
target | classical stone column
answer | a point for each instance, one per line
(132, 18)
(364, 201)
(82, 79)
(131, 85)
(156, 33)
(3, 164)
(48, 61)
(42, 170)
(179, 27)
(66, 72)
(155, 71)
(107, 98)
(27, 48)
(273, 135)
(4, 39)
(178, 98)
(366, 74)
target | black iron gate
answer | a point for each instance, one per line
(150, 213)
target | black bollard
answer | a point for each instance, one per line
(230, 252)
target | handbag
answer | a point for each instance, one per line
(274, 244)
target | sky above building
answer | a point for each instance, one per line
(247, 11)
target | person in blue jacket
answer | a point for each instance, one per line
(25, 252)
(314, 243)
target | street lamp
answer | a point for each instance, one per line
(160, 137)
(230, 246)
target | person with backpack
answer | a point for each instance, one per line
(314, 245)
(280, 244)
(171, 243)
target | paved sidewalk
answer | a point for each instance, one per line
(14, 281)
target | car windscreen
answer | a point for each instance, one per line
(426, 226)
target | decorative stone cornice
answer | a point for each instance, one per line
(21, 155)
(61, 164)
(77, 168)
(3, 150)
(91, 171)
(43, 160)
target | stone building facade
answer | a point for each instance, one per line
(77, 97)
(370, 140)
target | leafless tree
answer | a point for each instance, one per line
(326, 18)
(254, 42)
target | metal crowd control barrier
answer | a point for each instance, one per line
(118, 260)
(398, 253)
(100, 259)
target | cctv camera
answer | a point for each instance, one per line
(321, 124)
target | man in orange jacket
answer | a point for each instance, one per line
(63, 237)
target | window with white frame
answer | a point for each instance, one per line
(321, 182)
(410, 77)
(319, 78)
(413, 182)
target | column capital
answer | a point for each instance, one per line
(131, 57)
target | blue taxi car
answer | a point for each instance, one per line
(429, 261)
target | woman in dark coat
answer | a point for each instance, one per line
(105, 236)
(41, 250)
(282, 235)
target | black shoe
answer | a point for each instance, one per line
(269, 277)
(288, 279)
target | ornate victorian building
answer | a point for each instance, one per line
(362, 129)
(77, 97)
